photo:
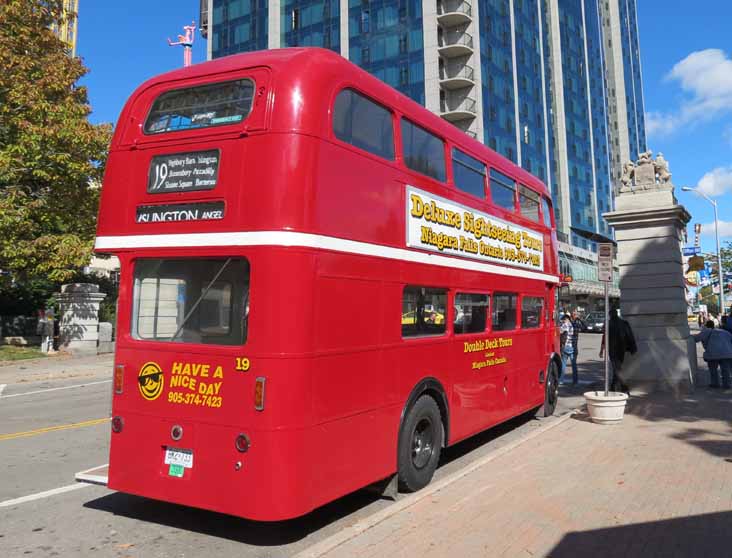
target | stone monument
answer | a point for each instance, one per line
(79, 319)
(649, 225)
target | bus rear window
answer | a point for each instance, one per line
(191, 300)
(203, 106)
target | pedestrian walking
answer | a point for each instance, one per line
(578, 326)
(717, 345)
(620, 340)
(566, 332)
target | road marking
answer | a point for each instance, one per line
(51, 389)
(40, 495)
(334, 541)
(52, 429)
(2, 387)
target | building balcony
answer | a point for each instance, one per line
(454, 109)
(456, 77)
(453, 12)
(455, 43)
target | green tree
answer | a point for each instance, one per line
(51, 156)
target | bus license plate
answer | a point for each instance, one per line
(179, 458)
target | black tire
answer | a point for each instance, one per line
(551, 392)
(420, 443)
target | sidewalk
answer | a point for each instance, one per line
(659, 484)
(56, 367)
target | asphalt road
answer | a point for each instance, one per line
(48, 434)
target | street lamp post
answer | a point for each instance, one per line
(719, 253)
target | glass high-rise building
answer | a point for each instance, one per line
(67, 28)
(553, 85)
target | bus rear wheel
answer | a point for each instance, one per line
(551, 392)
(420, 443)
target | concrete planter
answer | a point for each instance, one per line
(606, 410)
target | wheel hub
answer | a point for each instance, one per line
(422, 443)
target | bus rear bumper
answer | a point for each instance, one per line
(268, 482)
(96, 475)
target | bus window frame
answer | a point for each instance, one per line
(520, 308)
(515, 211)
(452, 302)
(194, 86)
(517, 310)
(448, 180)
(257, 120)
(331, 135)
(126, 330)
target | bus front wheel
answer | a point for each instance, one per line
(420, 443)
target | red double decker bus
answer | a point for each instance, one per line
(322, 285)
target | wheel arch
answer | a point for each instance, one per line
(434, 388)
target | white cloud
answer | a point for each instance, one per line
(660, 124)
(716, 182)
(725, 230)
(706, 78)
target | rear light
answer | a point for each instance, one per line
(176, 432)
(259, 394)
(117, 424)
(242, 443)
(119, 377)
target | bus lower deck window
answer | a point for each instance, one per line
(531, 307)
(471, 311)
(424, 311)
(191, 300)
(504, 311)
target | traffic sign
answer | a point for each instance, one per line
(692, 250)
(605, 262)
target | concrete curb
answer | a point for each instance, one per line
(334, 541)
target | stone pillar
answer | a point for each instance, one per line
(649, 225)
(79, 317)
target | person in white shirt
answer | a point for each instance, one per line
(566, 333)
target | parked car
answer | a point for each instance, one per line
(594, 322)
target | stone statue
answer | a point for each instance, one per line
(661, 165)
(627, 178)
(645, 158)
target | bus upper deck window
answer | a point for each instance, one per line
(363, 123)
(547, 210)
(529, 203)
(469, 173)
(202, 106)
(423, 151)
(503, 190)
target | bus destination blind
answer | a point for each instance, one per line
(183, 172)
(180, 212)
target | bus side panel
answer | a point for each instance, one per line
(354, 430)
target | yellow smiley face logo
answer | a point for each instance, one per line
(150, 381)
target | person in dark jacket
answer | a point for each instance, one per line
(621, 341)
(717, 345)
(727, 322)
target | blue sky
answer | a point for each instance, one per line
(686, 61)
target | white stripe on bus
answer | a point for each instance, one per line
(306, 240)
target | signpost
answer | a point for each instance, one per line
(605, 274)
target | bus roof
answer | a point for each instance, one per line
(307, 69)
